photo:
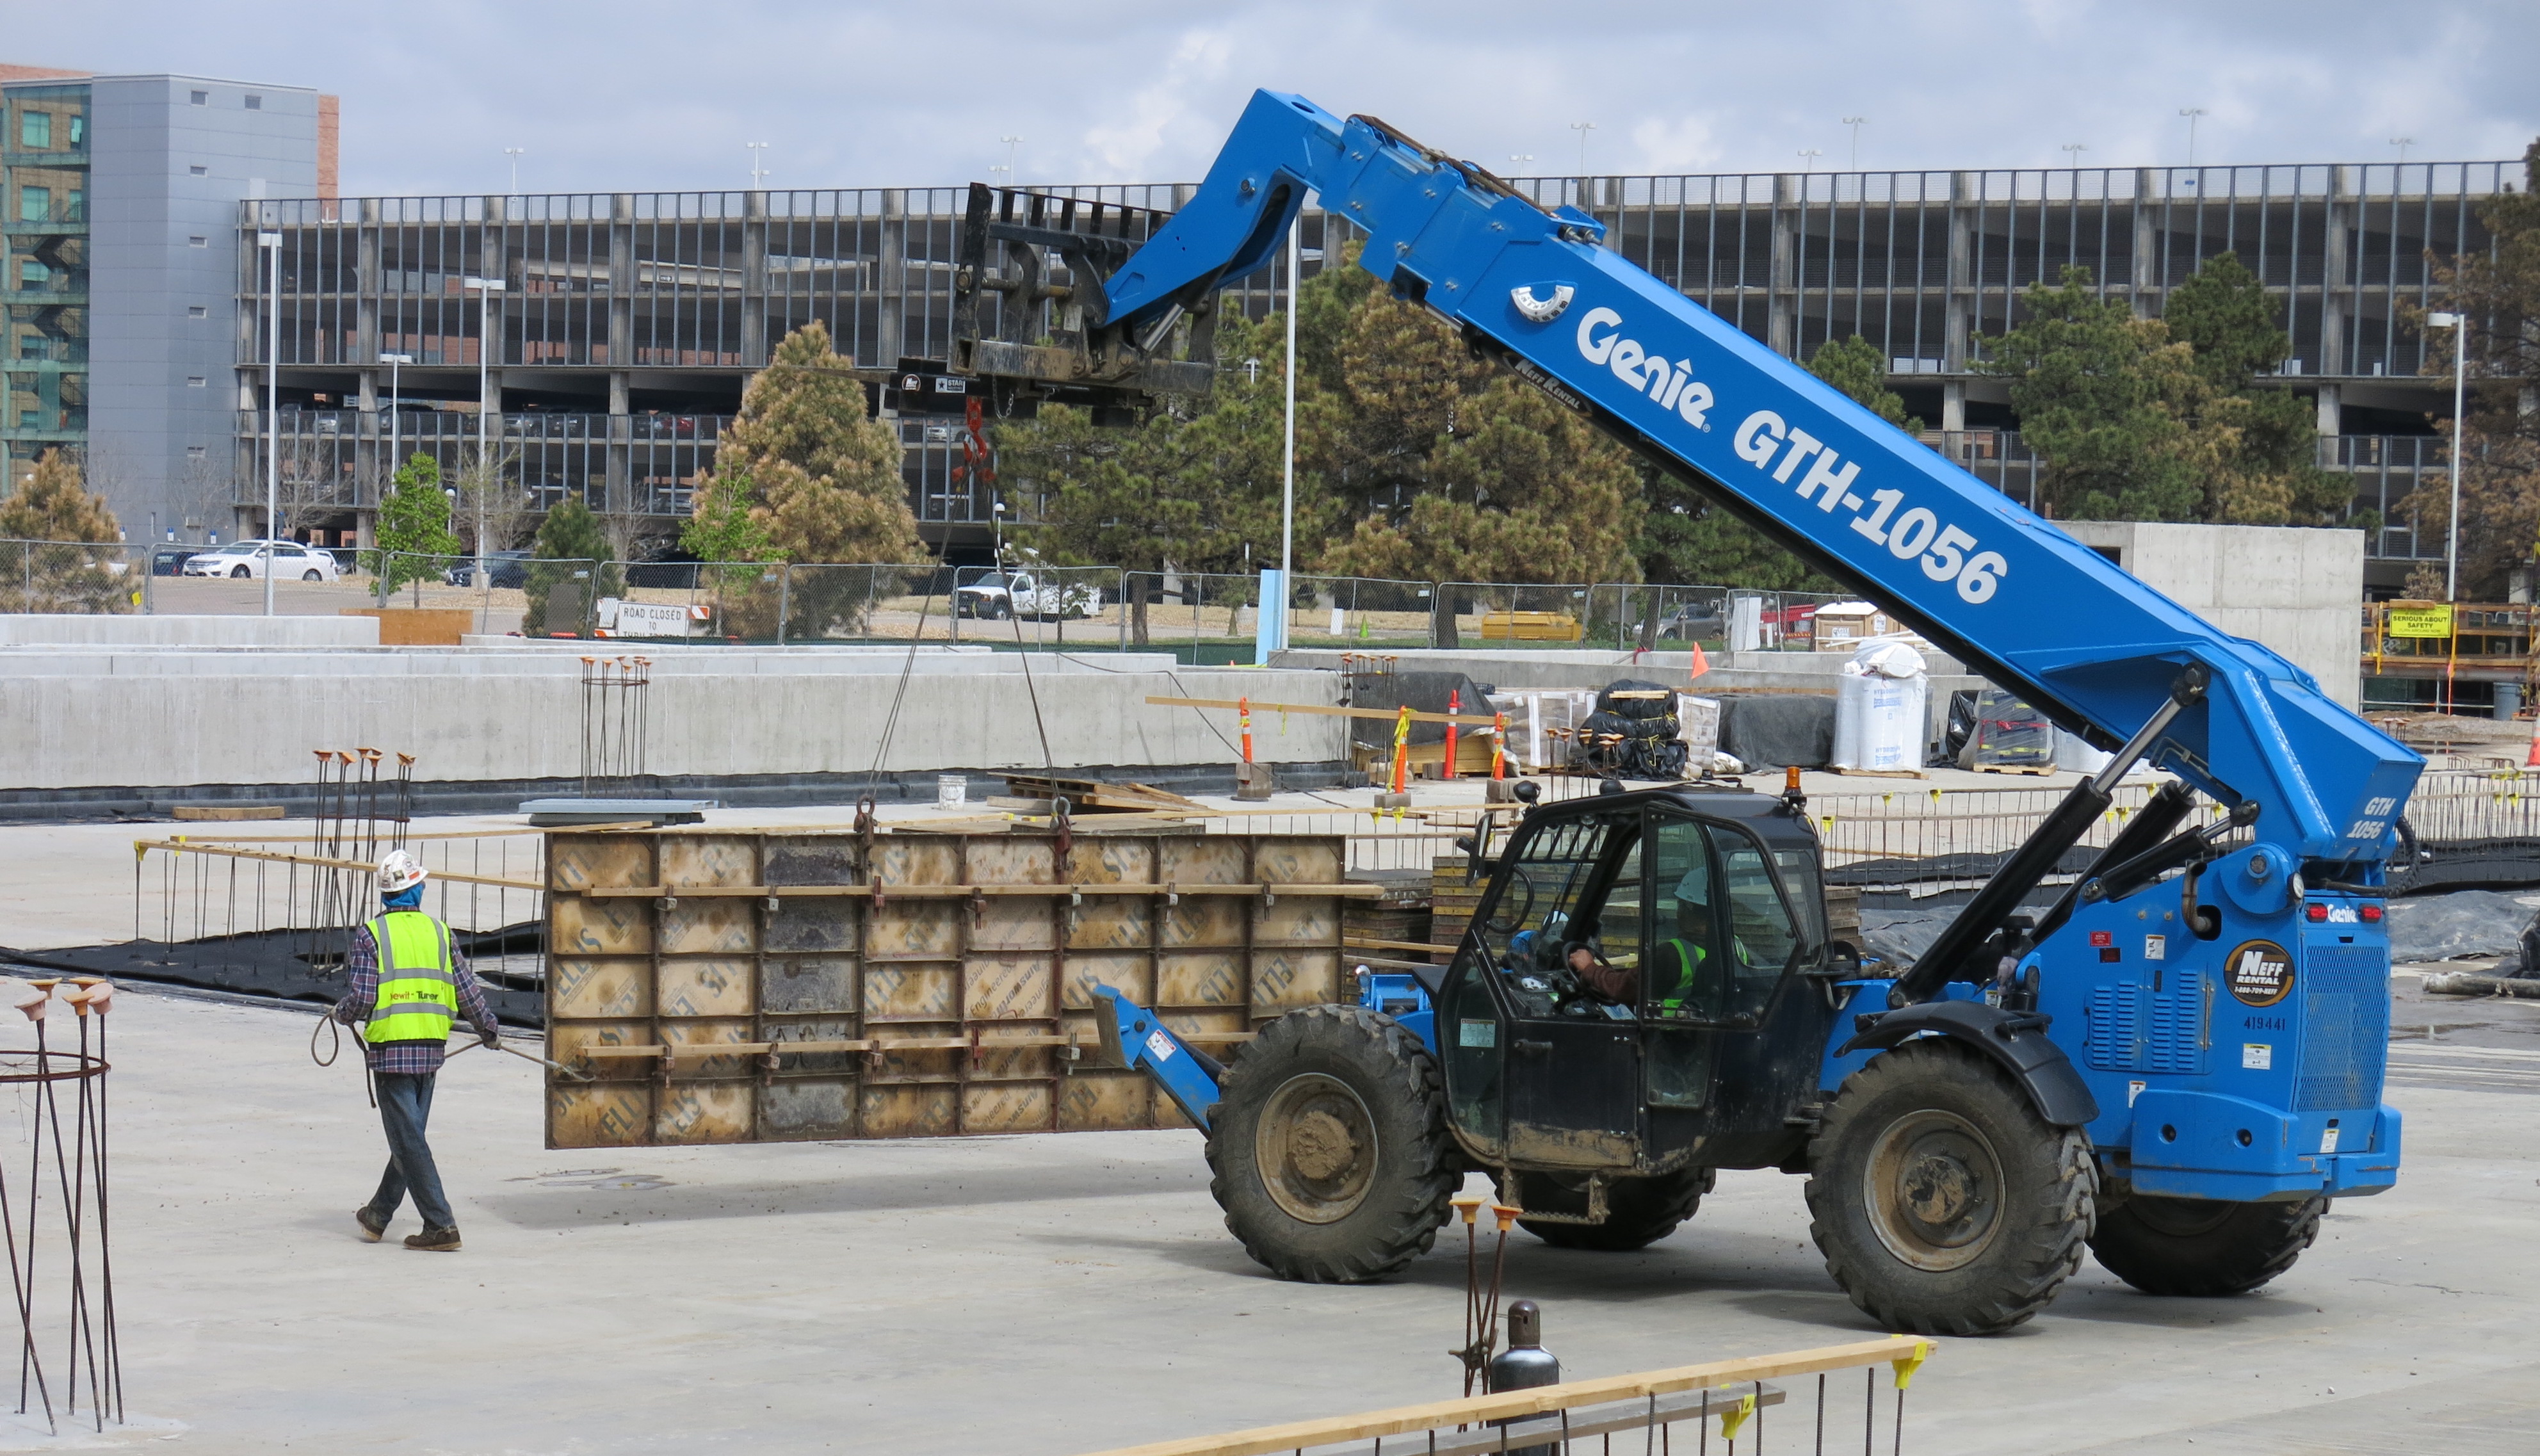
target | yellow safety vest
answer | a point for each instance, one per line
(418, 995)
(1688, 959)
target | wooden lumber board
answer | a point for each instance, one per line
(1582, 1421)
(1318, 709)
(187, 847)
(889, 891)
(1897, 1350)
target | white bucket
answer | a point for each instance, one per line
(951, 791)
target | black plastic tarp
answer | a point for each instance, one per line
(1770, 730)
(1421, 692)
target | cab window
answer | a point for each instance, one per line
(1549, 897)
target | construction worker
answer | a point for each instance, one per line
(409, 984)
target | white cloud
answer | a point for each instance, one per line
(1686, 144)
(1126, 149)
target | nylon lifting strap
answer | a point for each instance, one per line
(418, 995)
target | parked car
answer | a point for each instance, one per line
(1692, 622)
(247, 560)
(1016, 593)
(504, 569)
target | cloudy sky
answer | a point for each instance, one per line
(640, 96)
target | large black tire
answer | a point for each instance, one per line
(2199, 1247)
(1639, 1211)
(1942, 1202)
(1328, 1149)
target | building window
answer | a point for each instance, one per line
(200, 98)
(199, 243)
(35, 205)
(194, 381)
(31, 275)
(198, 311)
(256, 103)
(79, 206)
(199, 170)
(35, 130)
(79, 132)
(194, 452)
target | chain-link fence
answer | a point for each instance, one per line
(1197, 617)
(71, 578)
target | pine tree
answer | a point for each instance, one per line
(415, 541)
(2102, 398)
(53, 506)
(572, 540)
(827, 475)
(1854, 366)
(2259, 447)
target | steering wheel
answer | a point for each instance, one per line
(1503, 922)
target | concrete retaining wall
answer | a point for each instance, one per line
(183, 631)
(144, 717)
(2295, 589)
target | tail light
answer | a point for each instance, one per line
(2371, 913)
(2314, 912)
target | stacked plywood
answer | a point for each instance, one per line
(766, 986)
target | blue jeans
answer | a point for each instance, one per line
(405, 1102)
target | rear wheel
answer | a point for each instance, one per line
(2201, 1247)
(312, 574)
(1942, 1202)
(1328, 1147)
(1639, 1211)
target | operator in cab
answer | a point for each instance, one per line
(1678, 964)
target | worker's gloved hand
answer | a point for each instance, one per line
(490, 1036)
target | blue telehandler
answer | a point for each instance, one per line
(2175, 1062)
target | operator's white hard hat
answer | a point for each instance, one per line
(399, 872)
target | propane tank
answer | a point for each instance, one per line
(1526, 1363)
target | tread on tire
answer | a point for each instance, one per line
(1942, 1202)
(2200, 1248)
(1328, 1148)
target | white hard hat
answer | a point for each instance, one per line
(399, 872)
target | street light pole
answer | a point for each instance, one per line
(758, 172)
(515, 154)
(1856, 123)
(272, 242)
(392, 360)
(2191, 114)
(2459, 323)
(486, 342)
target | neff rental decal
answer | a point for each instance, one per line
(1672, 385)
(2260, 973)
(1944, 549)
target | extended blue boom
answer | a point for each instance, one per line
(2006, 591)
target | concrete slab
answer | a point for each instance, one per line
(1045, 1295)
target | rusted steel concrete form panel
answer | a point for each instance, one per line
(936, 985)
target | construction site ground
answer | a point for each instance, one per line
(1044, 1296)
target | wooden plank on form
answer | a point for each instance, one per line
(1321, 711)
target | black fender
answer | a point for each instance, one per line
(2017, 1040)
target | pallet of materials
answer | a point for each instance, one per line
(773, 986)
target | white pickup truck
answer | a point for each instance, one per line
(1016, 593)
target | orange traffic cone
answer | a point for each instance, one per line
(2531, 760)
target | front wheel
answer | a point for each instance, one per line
(238, 574)
(1942, 1202)
(2201, 1247)
(1328, 1148)
(1639, 1211)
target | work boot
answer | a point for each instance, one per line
(433, 1240)
(370, 1231)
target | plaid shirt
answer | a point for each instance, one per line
(405, 1057)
